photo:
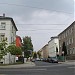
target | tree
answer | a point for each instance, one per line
(27, 46)
(3, 49)
(14, 50)
(39, 54)
(34, 55)
(64, 49)
(56, 49)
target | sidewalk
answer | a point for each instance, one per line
(27, 64)
(69, 62)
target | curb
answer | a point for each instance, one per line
(68, 62)
(27, 64)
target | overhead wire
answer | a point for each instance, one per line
(36, 7)
(40, 24)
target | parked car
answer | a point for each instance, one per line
(33, 60)
(41, 59)
(45, 59)
(38, 59)
(52, 60)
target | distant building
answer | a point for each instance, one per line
(7, 29)
(68, 36)
(18, 41)
(41, 52)
(45, 51)
(53, 47)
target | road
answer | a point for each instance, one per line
(41, 68)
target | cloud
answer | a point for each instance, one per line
(40, 33)
(39, 20)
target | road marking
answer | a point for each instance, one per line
(42, 69)
(53, 65)
(71, 67)
(35, 69)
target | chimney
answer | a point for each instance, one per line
(3, 14)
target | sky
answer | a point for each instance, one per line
(39, 19)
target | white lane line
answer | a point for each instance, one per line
(53, 65)
(72, 67)
(44, 69)
(36, 69)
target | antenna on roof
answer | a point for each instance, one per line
(3, 14)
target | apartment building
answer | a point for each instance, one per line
(7, 29)
(41, 52)
(68, 36)
(45, 51)
(53, 47)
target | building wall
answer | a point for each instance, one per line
(8, 59)
(18, 41)
(52, 44)
(45, 51)
(68, 36)
(9, 33)
(41, 52)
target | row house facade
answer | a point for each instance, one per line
(53, 47)
(41, 52)
(45, 51)
(68, 36)
(7, 29)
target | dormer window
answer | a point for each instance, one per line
(2, 26)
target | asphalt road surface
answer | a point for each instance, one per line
(41, 68)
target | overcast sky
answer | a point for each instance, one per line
(40, 19)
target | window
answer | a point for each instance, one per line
(66, 34)
(11, 39)
(2, 35)
(3, 26)
(67, 43)
(12, 29)
(72, 40)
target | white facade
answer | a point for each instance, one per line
(7, 29)
(52, 45)
(8, 59)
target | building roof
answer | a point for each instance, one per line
(19, 37)
(9, 18)
(67, 28)
(52, 38)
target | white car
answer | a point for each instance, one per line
(38, 59)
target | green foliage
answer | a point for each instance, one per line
(3, 50)
(64, 49)
(27, 45)
(35, 55)
(26, 54)
(39, 54)
(14, 50)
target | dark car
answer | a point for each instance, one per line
(53, 60)
(45, 59)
